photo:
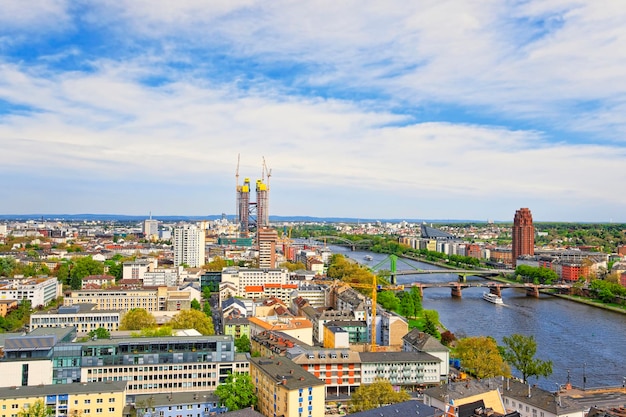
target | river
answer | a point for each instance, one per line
(580, 340)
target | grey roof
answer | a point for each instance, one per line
(283, 369)
(177, 398)
(423, 341)
(235, 321)
(460, 390)
(164, 339)
(59, 332)
(539, 398)
(432, 233)
(56, 389)
(379, 357)
(29, 343)
(245, 412)
(404, 409)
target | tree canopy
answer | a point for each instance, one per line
(376, 394)
(237, 392)
(519, 351)
(242, 344)
(36, 409)
(137, 319)
(481, 357)
(82, 268)
(193, 319)
(100, 333)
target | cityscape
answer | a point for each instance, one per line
(312, 209)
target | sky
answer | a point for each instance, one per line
(365, 109)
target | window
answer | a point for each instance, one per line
(98, 410)
(87, 401)
(99, 400)
(111, 409)
(87, 411)
(111, 400)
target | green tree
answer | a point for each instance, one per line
(481, 357)
(519, 352)
(293, 266)
(376, 394)
(388, 300)
(7, 266)
(206, 308)
(63, 273)
(195, 304)
(137, 319)
(161, 331)
(36, 409)
(100, 333)
(242, 344)
(431, 320)
(237, 392)
(82, 268)
(217, 264)
(193, 319)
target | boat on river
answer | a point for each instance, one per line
(368, 257)
(492, 298)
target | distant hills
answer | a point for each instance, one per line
(274, 219)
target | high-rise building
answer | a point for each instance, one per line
(189, 246)
(243, 207)
(523, 234)
(267, 239)
(151, 228)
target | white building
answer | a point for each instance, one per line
(39, 291)
(244, 277)
(82, 316)
(189, 246)
(136, 269)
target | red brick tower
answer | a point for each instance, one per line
(523, 234)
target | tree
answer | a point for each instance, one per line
(195, 304)
(206, 308)
(481, 357)
(519, 351)
(217, 264)
(137, 319)
(7, 266)
(431, 319)
(193, 319)
(388, 300)
(100, 333)
(84, 267)
(375, 395)
(242, 344)
(36, 409)
(237, 392)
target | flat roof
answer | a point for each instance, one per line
(59, 389)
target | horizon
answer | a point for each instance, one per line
(354, 109)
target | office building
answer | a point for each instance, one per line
(189, 247)
(267, 239)
(39, 291)
(523, 235)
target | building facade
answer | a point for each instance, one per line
(523, 234)
(189, 246)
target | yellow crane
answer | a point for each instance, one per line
(374, 287)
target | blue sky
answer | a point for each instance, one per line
(364, 109)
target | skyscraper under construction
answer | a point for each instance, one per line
(253, 215)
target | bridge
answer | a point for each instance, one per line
(393, 271)
(341, 241)
(456, 288)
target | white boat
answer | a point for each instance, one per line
(368, 257)
(492, 298)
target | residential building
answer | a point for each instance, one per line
(418, 341)
(451, 398)
(531, 401)
(523, 235)
(189, 245)
(405, 409)
(92, 399)
(401, 369)
(266, 240)
(283, 388)
(136, 269)
(236, 327)
(84, 317)
(241, 278)
(6, 306)
(39, 291)
(296, 327)
(340, 369)
(176, 404)
(150, 228)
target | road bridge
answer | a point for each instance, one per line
(456, 288)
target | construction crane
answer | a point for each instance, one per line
(265, 172)
(374, 287)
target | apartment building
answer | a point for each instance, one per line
(39, 291)
(296, 327)
(418, 341)
(89, 399)
(340, 369)
(244, 277)
(403, 369)
(283, 388)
